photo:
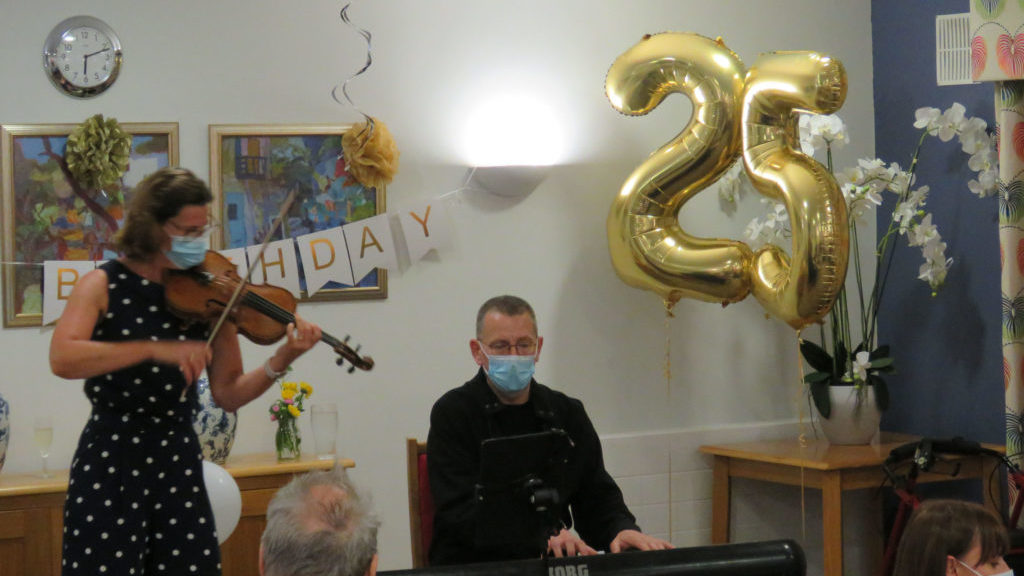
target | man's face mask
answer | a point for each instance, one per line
(511, 374)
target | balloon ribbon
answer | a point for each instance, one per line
(344, 85)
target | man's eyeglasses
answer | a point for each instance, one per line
(521, 348)
(193, 231)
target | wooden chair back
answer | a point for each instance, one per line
(421, 505)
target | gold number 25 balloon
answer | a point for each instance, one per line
(735, 112)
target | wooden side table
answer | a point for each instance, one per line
(32, 514)
(819, 465)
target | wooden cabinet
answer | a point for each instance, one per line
(32, 509)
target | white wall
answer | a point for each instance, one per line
(666, 482)
(199, 63)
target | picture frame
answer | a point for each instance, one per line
(253, 168)
(47, 216)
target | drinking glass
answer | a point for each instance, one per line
(325, 429)
(43, 435)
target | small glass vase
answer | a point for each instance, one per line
(289, 443)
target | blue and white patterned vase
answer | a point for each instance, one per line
(5, 429)
(214, 425)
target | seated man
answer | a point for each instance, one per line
(319, 525)
(504, 400)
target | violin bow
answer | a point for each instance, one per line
(248, 274)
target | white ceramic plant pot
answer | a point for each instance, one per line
(854, 418)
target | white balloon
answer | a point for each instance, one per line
(225, 499)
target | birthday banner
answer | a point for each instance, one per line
(345, 254)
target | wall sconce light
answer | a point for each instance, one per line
(511, 140)
(508, 181)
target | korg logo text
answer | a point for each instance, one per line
(570, 570)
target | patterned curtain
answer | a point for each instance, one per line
(1010, 129)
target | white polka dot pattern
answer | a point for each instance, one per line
(128, 487)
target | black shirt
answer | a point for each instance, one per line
(467, 415)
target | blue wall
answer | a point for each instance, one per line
(947, 348)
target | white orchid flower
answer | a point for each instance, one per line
(772, 228)
(850, 176)
(927, 118)
(903, 214)
(934, 249)
(830, 129)
(983, 159)
(873, 197)
(729, 188)
(974, 136)
(861, 363)
(936, 265)
(820, 131)
(987, 183)
(753, 230)
(806, 145)
(923, 233)
(870, 165)
(860, 199)
(901, 181)
(933, 274)
(917, 197)
(950, 122)
(865, 184)
(850, 192)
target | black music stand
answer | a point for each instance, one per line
(518, 502)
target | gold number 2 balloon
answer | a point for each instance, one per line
(735, 112)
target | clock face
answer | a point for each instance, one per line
(82, 56)
(85, 57)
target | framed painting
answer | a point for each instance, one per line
(254, 167)
(49, 216)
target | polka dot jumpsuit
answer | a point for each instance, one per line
(136, 502)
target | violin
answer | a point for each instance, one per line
(261, 313)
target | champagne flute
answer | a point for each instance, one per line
(43, 435)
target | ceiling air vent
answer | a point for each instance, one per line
(952, 49)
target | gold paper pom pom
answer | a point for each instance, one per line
(98, 152)
(371, 155)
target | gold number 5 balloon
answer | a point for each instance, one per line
(734, 112)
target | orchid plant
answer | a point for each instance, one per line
(837, 360)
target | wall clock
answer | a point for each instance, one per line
(82, 56)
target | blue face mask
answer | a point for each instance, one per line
(510, 374)
(1007, 573)
(187, 252)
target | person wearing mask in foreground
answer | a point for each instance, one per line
(952, 538)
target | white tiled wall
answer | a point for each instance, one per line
(666, 482)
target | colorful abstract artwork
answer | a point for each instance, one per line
(47, 215)
(254, 169)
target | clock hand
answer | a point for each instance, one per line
(85, 68)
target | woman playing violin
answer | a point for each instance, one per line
(136, 502)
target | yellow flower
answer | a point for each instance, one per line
(306, 389)
(294, 410)
(290, 386)
(288, 394)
